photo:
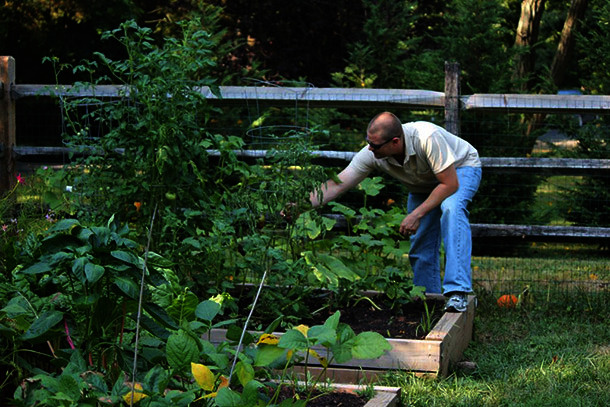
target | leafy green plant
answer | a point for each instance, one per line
(77, 289)
(298, 345)
(367, 257)
(150, 146)
(22, 211)
(172, 360)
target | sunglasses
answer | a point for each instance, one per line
(378, 146)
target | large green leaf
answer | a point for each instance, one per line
(69, 385)
(228, 398)
(183, 307)
(151, 326)
(14, 309)
(337, 267)
(181, 350)
(42, 324)
(77, 364)
(250, 396)
(207, 310)
(84, 235)
(102, 235)
(369, 345)
(176, 398)
(160, 315)
(332, 322)
(126, 257)
(323, 335)
(127, 286)
(244, 372)
(63, 225)
(37, 268)
(372, 186)
(293, 339)
(156, 380)
(342, 352)
(267, 354)
(329, 267)
(78, 268)
(93, 272)
(60, 256)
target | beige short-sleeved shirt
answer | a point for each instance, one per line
(430, 149)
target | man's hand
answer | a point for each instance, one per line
(409, 224)
(448, 184)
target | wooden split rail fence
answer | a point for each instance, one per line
(450, 100)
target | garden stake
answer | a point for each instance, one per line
(135, 350)
(243, 332)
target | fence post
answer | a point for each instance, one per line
(452, 97)
(7, 123)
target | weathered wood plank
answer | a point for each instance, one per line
(482, 230)
(384, 398)
(99, 91)
(8, 130)
(432, 355)
(517, 164)
(573, 166)
(452, 97)
(409, 354)
(337, 97)
(22, 152)
(539, 231)
(537, 103)
(313, 97)
(455, 332)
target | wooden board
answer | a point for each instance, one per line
(432, 356)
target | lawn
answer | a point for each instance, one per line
(552, 354)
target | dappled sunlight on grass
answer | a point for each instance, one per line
(524, 358)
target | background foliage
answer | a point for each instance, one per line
(217, 224)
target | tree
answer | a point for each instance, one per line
(525, 41)
(561, 60)
(565, 48)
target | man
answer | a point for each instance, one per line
(442, 173)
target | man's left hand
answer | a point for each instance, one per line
(409, 225)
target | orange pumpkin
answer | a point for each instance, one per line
(508, 301)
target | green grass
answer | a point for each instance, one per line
(544, 276)
(543, 356)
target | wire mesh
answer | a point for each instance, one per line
(571, 127)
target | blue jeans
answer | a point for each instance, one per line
(450, 223)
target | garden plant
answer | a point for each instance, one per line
(157, 231)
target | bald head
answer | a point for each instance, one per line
(386, 126)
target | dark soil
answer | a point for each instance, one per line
(404, 323)
(340, 398)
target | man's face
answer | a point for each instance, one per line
(380, 148)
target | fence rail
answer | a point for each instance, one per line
(347, 97)
(450, 101)
(545, 166)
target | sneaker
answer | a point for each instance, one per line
(457, 302)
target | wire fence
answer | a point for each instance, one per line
(515, 126)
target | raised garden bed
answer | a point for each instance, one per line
(430, 356)
(346, 395)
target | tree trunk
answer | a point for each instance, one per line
(566, 43)
(527, 36)
(559, 66)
